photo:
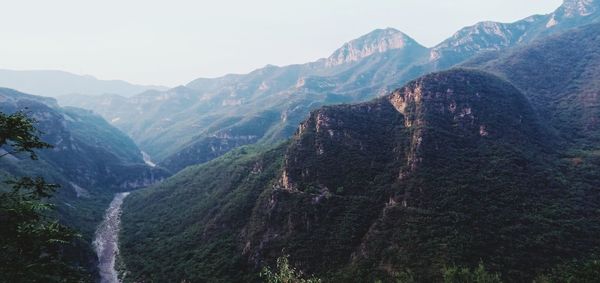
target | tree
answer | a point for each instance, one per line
(31, 242)
(285, 273)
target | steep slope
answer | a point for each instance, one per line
(453, 168)
(560, 76)
(58, 83)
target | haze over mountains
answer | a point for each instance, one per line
(209, 117)
(385, 161)
(58, 83)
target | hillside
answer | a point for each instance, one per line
(452, 169)
(208, 117)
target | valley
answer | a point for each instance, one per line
(473, 160)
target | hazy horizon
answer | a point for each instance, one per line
(152, 43)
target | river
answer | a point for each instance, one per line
(106, 241)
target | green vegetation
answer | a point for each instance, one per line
(32, 243)
(18, 133)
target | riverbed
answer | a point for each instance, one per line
(106, 242)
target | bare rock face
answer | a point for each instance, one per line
(378, 41)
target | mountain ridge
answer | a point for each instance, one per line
(58, 83)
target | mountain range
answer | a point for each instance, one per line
(491, 163)
(386, 161)
(200, 121)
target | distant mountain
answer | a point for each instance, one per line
(59, 83)
(455, 168)
(493, 36)
(378, 41)
(208, 117)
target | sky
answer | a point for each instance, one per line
(173, 42)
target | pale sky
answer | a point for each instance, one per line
(173, 42)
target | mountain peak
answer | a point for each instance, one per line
(377, 41)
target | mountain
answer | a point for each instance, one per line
(91, 159)
(208, 117)
(378, 41)
(59, 83)
(454, 168)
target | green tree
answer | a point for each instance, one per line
(285, 273)
(32, 244)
